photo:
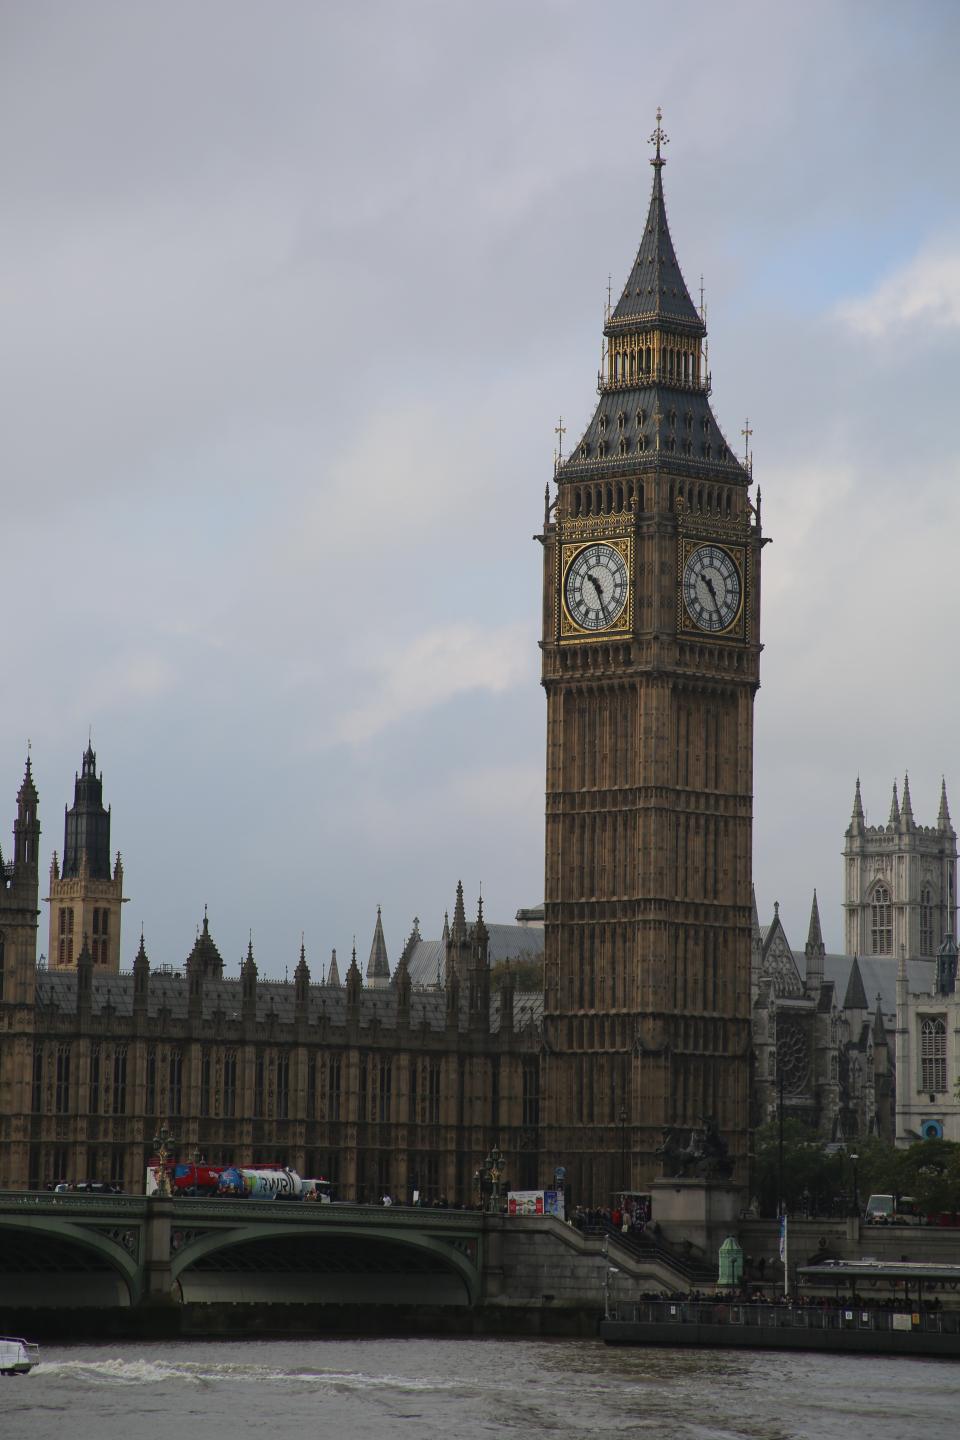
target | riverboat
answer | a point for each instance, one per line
(17, 1357)
(860, 1326)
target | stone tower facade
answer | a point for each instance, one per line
(86, 895)
(651, 652)
(899, 881)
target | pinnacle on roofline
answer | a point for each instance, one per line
(894, 807)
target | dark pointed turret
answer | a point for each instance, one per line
(856, 819)
(354, 983)
(655, 292)
(333, 974)
(894, 807)
(84, 978)
(141, 979)
(301, 983)
(459, 927)
(248, 984)
(26, 828)
(378, 966)
(86, 838)
(856, 996)
(654, 387)
(906, 808)
(943, 818)
(814, 950)
(205, 959)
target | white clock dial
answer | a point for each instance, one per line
(595, 587)
(711, 588)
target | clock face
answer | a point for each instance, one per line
(595, 587)
(711, 588)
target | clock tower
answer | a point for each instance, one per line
(651, 652)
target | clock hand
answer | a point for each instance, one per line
(599, 594)
(713, 593)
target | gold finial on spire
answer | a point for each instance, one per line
(746, 432)
(659, 138)
(560, 429)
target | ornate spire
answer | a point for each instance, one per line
(333, 974)
(943, 819)
(814, 933)
(378, 966)
(446, 927)
(906, 809)
(656, 290)
(459, 927)
(856, 996)
(857, 816)
(894, 807)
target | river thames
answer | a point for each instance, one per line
(466, 1389)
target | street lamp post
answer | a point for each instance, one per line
(494, 1164)
(623, 1149)
(163, 1143)
(856, 1187)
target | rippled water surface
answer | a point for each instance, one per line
(354, 1389)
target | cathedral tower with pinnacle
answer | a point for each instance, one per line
(899, 880)
(86, 894)
(650, 654)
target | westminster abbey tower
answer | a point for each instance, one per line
(651, 658)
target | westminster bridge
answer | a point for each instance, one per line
(82, 1250)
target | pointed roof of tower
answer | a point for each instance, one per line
(655, 289)
(446, 927)
(205, 953)
(635, 420)
(480, 931)
(857, 804)
(333, 974)
(141, 956)
(302, 967)
(756, 912)
(894, 807)
(856, 996)
(906, 809)
(378, 966)
(459, 927)
(814, 933)
(943, 818)
(249, 965)
(27, 791)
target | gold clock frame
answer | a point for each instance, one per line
(567, 552)
(739, 554)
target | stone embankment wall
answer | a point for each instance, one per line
(541, 1261)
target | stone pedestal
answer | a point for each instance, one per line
(703, 1212)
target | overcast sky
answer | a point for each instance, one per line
(293, 295)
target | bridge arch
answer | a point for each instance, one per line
(37, 1246)
(375, 1253)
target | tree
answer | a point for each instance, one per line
(812, 1177)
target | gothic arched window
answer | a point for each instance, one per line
(881, 922)
(926, 921)
(933, 1054)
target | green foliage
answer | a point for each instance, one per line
(927, 1171)
(812, 1178)
(527, 974)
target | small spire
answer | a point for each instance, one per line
(906, 809)
(333, 974)
(814, 934)
(943, 819)
(856, 996)
(894, 807)
(446, 926)
(378, 965)
(857, 803)
(459, 927)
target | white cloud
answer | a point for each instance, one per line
(925, 291)
(433, 668)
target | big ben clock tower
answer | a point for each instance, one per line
(651, 658)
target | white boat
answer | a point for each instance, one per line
(17, 1357)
